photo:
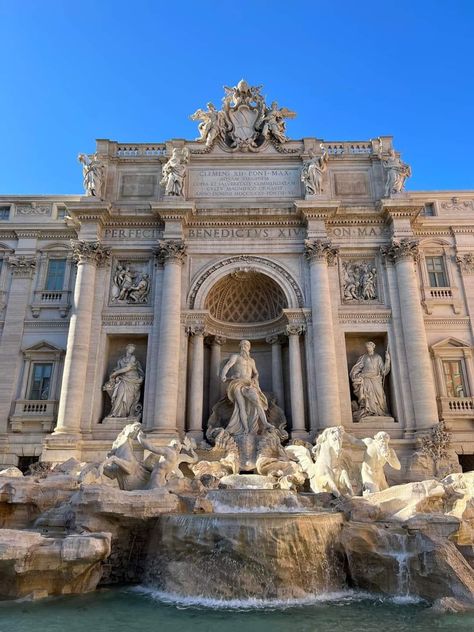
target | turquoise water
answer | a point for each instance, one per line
(122, 610)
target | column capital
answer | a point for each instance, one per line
(92, 252)
(320, 250)
(219, 340)
(171, 251)
(401, 249)
(273, 340)
(295, 329)
(465, 262)
(196, 329)
(22, 266)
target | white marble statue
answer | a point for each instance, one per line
(174, 172)
(124, 384)
(327, 473)
(396, 172)
(92, 173)
(368, 375)
(160, 466)
(377, 454)
(312, 174)
(244, 392)
(212, 123)
(164, 462)
(274, 122)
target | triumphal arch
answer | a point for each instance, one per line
(126, 302)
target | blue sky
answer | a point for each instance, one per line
(133, 71)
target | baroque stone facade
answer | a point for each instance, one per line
(184, 248)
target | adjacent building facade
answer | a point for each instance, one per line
(307, 248)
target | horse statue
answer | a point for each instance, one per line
(327, 473)
(160, 466)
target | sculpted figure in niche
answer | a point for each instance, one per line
(124, 384)
(174, 172)
(313, 171)
(396, 172)
(377, 454)
(130, 286)
(368, 376)
(244, 392)
(92, 174)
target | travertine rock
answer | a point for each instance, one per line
(31, 563)
(385, 558)
(400, 502)
(11, 472)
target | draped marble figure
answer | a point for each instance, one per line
(244, 392)
(124, 384)
(367, 377)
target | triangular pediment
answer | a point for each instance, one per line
(43, 347)
(450, 342)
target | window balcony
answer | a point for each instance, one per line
(432, 296)
(456, 407)
(51, 299)
(31, 415)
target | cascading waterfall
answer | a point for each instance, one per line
(247, 554)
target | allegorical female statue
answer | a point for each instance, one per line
(313, 172)
(92, 173)
(367, 376)
(124, 384)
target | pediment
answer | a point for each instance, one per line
(43, 347)
(451, 342)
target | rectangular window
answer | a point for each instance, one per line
(436, 271)
(61, 212)
(454, 378)
(4, 213)
(41, 381)
(55, 275)
(429, 210)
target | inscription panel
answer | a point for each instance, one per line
(351, 183)
(138, 185)
(244, 183)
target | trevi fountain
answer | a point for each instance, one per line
(293, 490)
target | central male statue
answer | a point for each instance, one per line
(367, 376)
(244, 392)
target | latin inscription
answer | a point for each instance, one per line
(244, 183)
(356, 231)
(121, 234)
(247, 233)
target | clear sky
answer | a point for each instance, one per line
(72, 71)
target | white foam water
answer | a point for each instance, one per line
(343, 596)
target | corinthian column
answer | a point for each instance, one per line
(298, 430)
(22, 268)
(88, 255)
(214, 377)
(404, 252)
(171, 253)
(196, 395)
(320, 253)
(277, 370)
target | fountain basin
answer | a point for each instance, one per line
(246, 555)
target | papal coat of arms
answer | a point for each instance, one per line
(244, 122)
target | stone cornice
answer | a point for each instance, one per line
(317, 209)
(320, 249)
(171, 251)
(89, 210)
(400, 207)
(89, 252)
(401, 249)
(176, 210)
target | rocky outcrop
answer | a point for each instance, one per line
(31, 563)
(23, 499)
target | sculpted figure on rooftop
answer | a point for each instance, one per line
(174, 172)
(312, 174)
(396, 172)
(212, 123)
(274, 122)
(92, 174)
